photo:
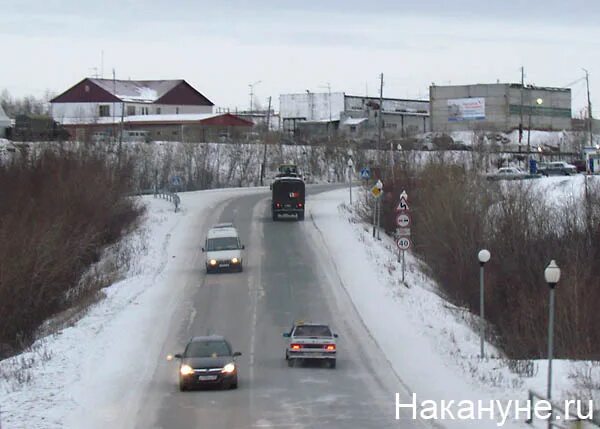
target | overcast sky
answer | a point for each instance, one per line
(222, 46)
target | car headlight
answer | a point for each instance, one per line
(229, 368)
(234, 260)
(186, 370)
(213, 262)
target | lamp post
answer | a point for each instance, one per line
(552, 276)
(350, 166)
(539, 102)
(483, 256)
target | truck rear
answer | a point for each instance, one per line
(288, 194)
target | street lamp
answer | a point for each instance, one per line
(483, 256)
(552, 276)
(539, 102)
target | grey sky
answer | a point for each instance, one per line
(222, 46)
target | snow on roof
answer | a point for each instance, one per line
(354, 121)
(139, 91)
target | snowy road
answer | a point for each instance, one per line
(287, 277)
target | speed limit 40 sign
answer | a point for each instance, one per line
(403, 243)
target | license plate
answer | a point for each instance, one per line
(223, 265)
(207, 377)
(287, 206)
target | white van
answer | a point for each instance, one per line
(223, 249)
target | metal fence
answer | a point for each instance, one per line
(560, 419)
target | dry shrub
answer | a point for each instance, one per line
(57, 212)
(455, 213)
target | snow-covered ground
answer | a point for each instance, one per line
(430, 343)
(84, 367)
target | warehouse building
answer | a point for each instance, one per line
(313, 114)
(499, 107)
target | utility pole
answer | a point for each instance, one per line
(379, 117)
(521, 116)
(264, 163)
(114, 136)
(590, 128)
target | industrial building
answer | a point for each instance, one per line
(499, 107)
(353, 116)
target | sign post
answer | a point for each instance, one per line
(350, 166)
(403, 222)
(377, 191)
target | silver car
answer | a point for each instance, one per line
(311, 341)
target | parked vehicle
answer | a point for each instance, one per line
(559, 168)
(510, 173)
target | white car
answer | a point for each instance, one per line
(508, 173)
(223, 249)
(311, 341)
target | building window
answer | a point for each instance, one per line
(352, 128)
(158, 110)
(177, 110)
(144, 110)
(130, 110)
(104, 110)
(391, 125)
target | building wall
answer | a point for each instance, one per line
(502, 106)
(312, 106)
(188, 133)
(88, 112)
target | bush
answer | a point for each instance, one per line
(455, 214)
(57, 212)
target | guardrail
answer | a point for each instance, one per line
(169, 196)
(560, 418)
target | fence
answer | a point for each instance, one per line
(169, 196)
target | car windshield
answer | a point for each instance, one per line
(312, 331)
(208, 348)
(222, 243)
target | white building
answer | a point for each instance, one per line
(4, 123)
(93, 99)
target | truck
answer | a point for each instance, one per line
(288, 193)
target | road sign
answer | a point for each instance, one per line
(176, 180)
(365, 173)
(404, 195)
(403, 232)
(376, 192)
(403, 220)
(402, 205)
(379, 184)
(403, 243)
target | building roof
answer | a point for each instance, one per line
(354, 121)
(211, 119)
(133, 91)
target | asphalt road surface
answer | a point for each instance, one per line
(286, 277)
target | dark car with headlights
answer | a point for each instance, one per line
(208, 361)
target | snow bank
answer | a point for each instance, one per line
(430, 343)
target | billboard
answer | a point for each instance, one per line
(466, 109)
